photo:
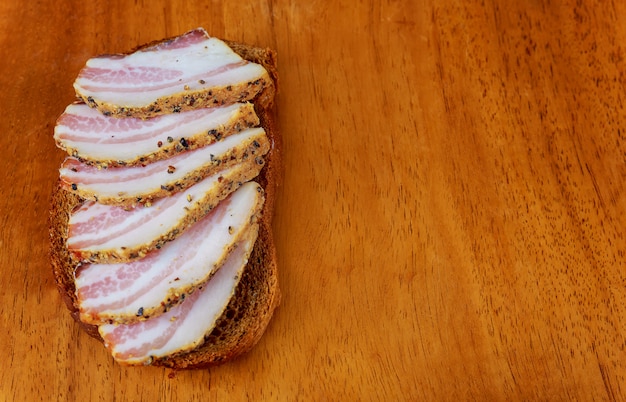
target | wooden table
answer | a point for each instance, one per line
(452, 215)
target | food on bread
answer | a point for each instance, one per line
(111, 293)
(245, 307)
(106, 141)
(131, 185)
(110, 233)
(183, 327)
(187, 72)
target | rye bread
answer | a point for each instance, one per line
(257, 295)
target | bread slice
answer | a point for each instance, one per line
(257, 294)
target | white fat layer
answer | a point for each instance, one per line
(95, 144)
(134, 233)
(130, 182)
(199, 320)
(186, 261)
(195, 62)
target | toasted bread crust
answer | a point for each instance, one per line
(257, 295)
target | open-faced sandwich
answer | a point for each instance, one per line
(160, 223)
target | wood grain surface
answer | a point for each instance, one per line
(450, 224)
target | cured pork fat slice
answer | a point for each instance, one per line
(147, 287)
(110, 233)
(130, 185)
(94, 138)
(183, 327)
(190, 71)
